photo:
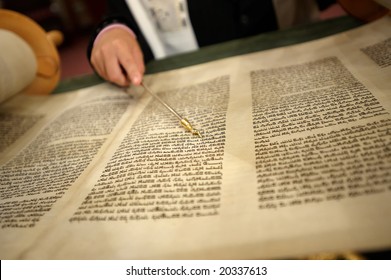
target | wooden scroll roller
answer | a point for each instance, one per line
(366, 10)
(29, 60)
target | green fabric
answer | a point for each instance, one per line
(78, 83)
(236, 47)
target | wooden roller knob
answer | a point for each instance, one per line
(56, 37)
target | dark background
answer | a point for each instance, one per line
(76, 19)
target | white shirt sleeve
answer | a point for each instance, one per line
(165, 24)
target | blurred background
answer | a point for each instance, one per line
(76, 19)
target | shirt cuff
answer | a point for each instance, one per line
(113, 26)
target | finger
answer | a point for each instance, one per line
(113, 69)
(98, 64)
(139, 58)
(130, 65)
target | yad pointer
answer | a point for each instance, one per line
(186, 124)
